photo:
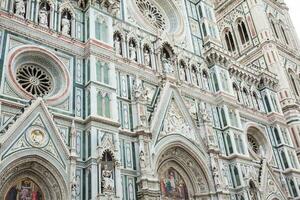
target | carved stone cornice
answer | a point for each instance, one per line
(268, 79)
(243, 73)
(214, 54)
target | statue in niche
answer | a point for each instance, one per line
(118, 47)
(192, 109)
(114, 8)
(81, 3)
(132, 51)
(225, 180)
(66, 25)
(147, 57)
(2, 3)
(204, 115)
(43, 16)
(20, 8)
(182, 72)
(107, 179)
(140, 92)
(216, 174)
(194, 76)
(167, 65)
(142, 160)
(75, 187)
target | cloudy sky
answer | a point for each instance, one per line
(294, 6)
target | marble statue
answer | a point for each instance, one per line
(81, 3)
(142, 160)
(215, 170)
(73, 192)
(132, 52)
(147, 57)
(204, 115)
(66, 26)
(108, 181)
(167, 65)
(182, 72)
(194, 77)
(112, 6)
(118, 48)
(43, 17)
(140, 92)
(20, 8)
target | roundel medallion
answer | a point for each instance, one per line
(37, 137)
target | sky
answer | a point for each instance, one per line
(294, 6)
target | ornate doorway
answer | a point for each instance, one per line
(25, 189)
(32, 178)
(181, 176)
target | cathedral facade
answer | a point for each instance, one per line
(149, 100)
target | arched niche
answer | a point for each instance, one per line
(180, 175)
(40, 176)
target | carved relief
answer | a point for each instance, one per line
(174, 123)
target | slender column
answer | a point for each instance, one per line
(139, 53)
(51, 17)
(37, 9)
(94, 180)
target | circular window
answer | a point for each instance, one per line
(36, 72)
(158, 17)
(253, 144)
(34, 79)
(152, 14)
(258, 145)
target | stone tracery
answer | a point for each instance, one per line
(152, 13)
(34, 80)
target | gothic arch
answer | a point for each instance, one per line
(294, 81)
(48, 176)
(119, 33)
(190, 161)
(275, 197)
(168, 48)
(229, 39)
(67, 7)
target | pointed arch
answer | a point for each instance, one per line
(168, 50)
(229, 40)
(35, 169)
(164, 153)
(243, 31)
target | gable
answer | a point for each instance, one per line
(172, 117)
(34, 132)
(270, 185)
(175, 123)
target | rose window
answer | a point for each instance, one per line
(254, 145)
(152, 14)
(34, 79)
